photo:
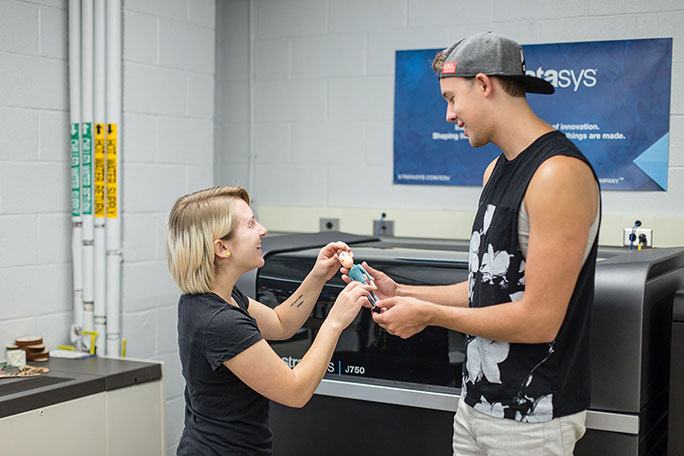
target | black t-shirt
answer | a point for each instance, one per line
(223, 416)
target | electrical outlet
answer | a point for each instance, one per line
(386, 229)
(647, 233)
(329, 224)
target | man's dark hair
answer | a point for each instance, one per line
(438, 62)
(511, 86)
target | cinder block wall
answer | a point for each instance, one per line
(168, 92)
(34, 172)
(168, 150)
(322, 106)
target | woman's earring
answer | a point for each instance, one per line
(227, 254)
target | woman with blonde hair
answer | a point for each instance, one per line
(230, 370)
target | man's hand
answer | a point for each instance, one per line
(401, 316)
(384, 286)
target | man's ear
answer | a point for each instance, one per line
(484, 83)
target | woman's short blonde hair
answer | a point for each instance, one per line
(195, 221)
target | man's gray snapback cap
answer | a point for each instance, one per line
(492, 55)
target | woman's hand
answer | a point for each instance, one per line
(384, 287)
(327, 263)
(348, 303)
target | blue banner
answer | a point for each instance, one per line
(612, 100)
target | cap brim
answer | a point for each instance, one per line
(535, 85)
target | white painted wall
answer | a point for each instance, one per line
(233, 112)
(169, 67)
(168, 150)
(323, 88)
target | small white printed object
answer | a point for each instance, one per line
(16, 357)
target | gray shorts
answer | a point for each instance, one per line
(477, 434)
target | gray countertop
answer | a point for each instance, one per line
(70, 379)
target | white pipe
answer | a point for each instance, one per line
(86, 163)
(99, 178)
(114, 142)
(75, 119)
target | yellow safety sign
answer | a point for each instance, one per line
(112, 151)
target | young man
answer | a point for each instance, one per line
(526, 305)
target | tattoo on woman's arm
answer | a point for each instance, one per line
(297, 301)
